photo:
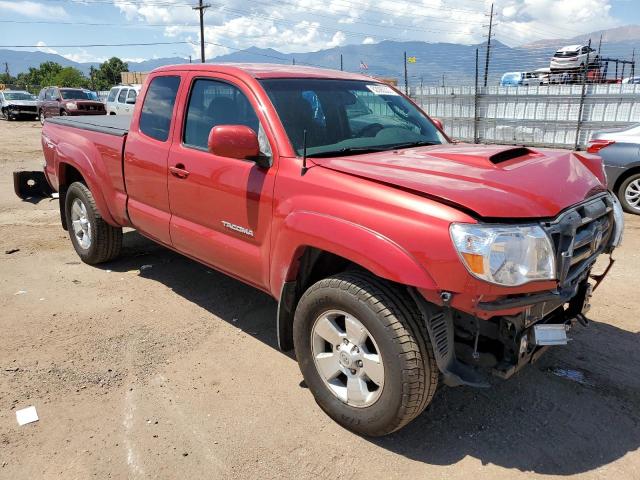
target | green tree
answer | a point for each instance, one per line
(45, 74)
(108, 74)
(70, 77)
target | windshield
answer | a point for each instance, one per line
(74, 95)
(91, 95)
(344, 117)
(17, 96)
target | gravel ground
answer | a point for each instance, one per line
(172, 371)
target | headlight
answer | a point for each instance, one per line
(72, 106)
(505, 255)
(618, 218)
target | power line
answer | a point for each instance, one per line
(97, 45)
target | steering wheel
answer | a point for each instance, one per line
(371, 130)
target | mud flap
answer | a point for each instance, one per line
(31, 185)
(439, 325)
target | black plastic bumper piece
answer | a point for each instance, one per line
(31, 185)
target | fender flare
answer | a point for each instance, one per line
(68, 154)
(356, 243)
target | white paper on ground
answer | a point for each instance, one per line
(27, 415)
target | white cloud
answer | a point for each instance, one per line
(305, 25)
(34, 9)
(368, 41)
(80, 56)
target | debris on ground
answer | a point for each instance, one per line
(12, 250)
(20, 292)
(573, 375)
(27, 415)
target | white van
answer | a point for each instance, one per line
(122, 98)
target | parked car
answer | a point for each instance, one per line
(620, 152)
(121, 99)
(573, 57)
(397, 256)
(516, 79)
(17, 103)
(55, 101)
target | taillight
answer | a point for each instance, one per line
(596, 145)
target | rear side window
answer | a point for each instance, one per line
(157, 109)
(132, 95)
(112, 95)
(123, 95)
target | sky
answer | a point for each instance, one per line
(289, 25)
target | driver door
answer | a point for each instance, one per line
(221, 208)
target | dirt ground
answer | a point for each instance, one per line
(154, 366)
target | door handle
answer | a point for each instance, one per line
(179, 171)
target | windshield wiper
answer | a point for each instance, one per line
(346, 151)
(412, 144)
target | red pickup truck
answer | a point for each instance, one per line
(398, 257)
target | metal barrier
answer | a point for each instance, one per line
(543, 116)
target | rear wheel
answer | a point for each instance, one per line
(363, 353)
(64, 113)
(94, 240)
(629, 194)
(41, 116)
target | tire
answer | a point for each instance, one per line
(94, 240)
(395, 334)
(64, 113)
(41, 117)
(629, 194)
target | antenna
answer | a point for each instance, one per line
(304, 152)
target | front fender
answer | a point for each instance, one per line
(363, 246)
(69, 154)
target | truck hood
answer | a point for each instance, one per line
(491, 181)
(22, 103)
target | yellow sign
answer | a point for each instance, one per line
(411, 59)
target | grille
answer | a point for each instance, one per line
(579, 236)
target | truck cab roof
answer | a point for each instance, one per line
(267, 70)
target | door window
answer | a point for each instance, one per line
(112, 95)
(123, 95)
(132, 95)
(157, 109)
(214, 103)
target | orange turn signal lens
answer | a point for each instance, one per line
(474, 262)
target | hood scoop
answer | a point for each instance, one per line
(509, 154)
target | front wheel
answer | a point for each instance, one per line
(629, 194)
(364, 353)
(94, 240)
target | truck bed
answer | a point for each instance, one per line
(117, 125)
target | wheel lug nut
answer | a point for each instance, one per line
(345, 341)
(353, 371)
(360, 363)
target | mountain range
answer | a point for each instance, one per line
(436, 63)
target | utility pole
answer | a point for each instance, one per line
(633, 63)
(583, 94)
(475, 105)
(201, 8)
(406, 80)
(443, 80)
(293, 61)
(6, 70)
(600, 45)
(486, 65)
(189, 58)
(341, 66)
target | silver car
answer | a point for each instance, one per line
(17, 103)
(620, 152)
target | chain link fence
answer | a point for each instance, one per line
(542, 116)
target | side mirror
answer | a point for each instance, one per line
(438, 123)
(236, 141)
(131, 101)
